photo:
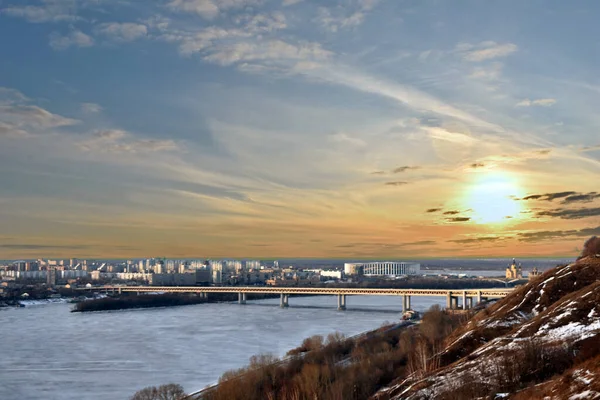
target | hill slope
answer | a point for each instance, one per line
(542, 341)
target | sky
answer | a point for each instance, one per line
(298, 128)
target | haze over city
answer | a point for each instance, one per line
(293, 128)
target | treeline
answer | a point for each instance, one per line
(339, 368)
(130, 300)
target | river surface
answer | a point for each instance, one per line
(47, 352)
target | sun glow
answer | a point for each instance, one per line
(492, 198)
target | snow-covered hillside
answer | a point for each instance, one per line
(542, 341)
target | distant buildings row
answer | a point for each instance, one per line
(382, 268)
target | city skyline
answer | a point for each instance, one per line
(360, 129)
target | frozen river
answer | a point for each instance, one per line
(47, 352)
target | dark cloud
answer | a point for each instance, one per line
(586, 198)
(483, 239)
(550, 196)
(403, 169)
(543, 151)
(421, 243)
(591, 148)
(458, 219)
(570, 213)
(397, 183)
(378, 173)
(477, 165)
(433, 210)
(537, 236)
(453, 212)
(388, 245)
(22, 246)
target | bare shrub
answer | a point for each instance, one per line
(170, 391)
(591, 247)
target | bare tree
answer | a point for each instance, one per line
(591, 247)
(169, 391)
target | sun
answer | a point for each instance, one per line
(492, 198)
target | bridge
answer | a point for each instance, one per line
(468, 296)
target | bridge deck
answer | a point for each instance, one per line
(489, 293)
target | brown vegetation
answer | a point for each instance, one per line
(340, 368)
(541, 342)
(170, 391)
(591, 247)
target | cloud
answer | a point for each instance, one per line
(587, 197)
(476, 240)
(537, 236)
(287, 3)
(341, 17)
(403, 169)
(33, 116)
(378, 173)
(122, 32)
(209, 9)
(487, 73)
(11, 96)
(549, 196)
(453, 212)
(50, 11)
(433, 210)
(397, 183)
(485, 51)
(342, 137)
(458, 219)
(91, 108)
(120, 141)
(270, 52)
(570, 213)
(448, 136)
(19, 246)
(9, 130)
(477, 165)
(568, 197)
(539, 102)
(73, 38)
(590, 148)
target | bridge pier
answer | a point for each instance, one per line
(341, 302)
(405, 303)
(242, 298)
(464, 300)
(449, 301)
(284, 303)
(478, 296)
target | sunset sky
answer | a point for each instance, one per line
(298, 128)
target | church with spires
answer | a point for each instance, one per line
(514, 271)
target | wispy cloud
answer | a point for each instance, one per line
(74, 38)
(403, 169)
(120, 141)
(485, 50)
(48, 11)
(397, 183)
(19, 114)
(123, 32)
(209, 9)
(570, 213)
(539, 102)
(91, 108)
(345, 16)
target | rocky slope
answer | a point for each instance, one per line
(541, 342)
